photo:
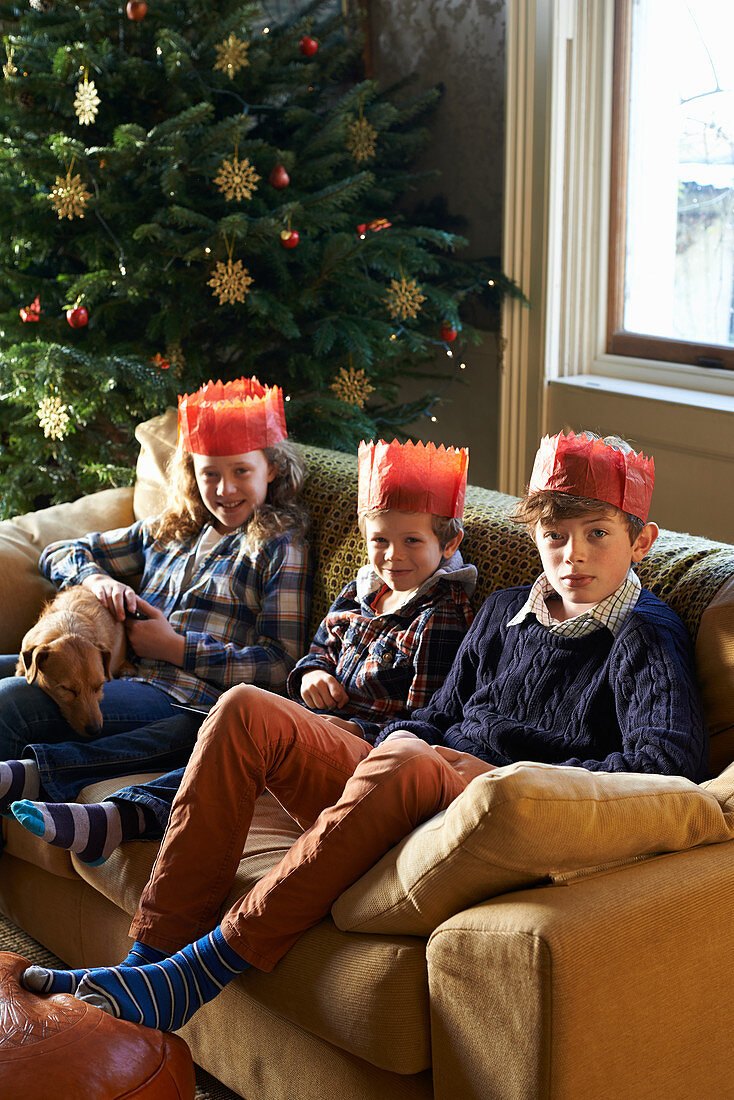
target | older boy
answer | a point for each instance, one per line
(582, 668)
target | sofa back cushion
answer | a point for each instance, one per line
(684, 570)
(522, 825)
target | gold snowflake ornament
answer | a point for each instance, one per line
(53, 417)
(69, 196)
(87, 101)
(176, 358)
(404, 299)
(231, 55)
(230, 282)
(352, 386)
(237, 179)
(361, 139)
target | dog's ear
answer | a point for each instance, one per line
(33, 661)
(106, 658)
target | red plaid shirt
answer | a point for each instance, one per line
(391, 663)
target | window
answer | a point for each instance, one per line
(671, 249)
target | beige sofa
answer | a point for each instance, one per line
(582, 955)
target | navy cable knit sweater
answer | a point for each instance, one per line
(628, 703)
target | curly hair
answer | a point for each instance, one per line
(186, 514)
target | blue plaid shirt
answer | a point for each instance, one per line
(244, 619)
(390, 663)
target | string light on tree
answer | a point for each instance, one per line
(237, 179)
(231, 55)
(9, 68)
(404, 299)
(53, 417)
(87, 101)
(69, 196)
(352, 386)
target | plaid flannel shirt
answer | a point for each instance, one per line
(244, 619)
(391, 663)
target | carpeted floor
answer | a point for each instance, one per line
(15, 939)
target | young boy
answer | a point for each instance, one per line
(385, 646)
(581, 668)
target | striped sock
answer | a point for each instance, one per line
(18, 779)
(165, 994)
(42, 980)
(92, 832)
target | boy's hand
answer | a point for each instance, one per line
(154, 636)
(345, 724)
(117, 597)
(322, 691)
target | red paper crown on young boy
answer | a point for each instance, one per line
(414, 477)
(588, 467)
(231, 418)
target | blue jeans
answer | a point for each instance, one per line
(156, 795)
(142, 731)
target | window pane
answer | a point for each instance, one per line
(679, 269)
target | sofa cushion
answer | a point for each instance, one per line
(385, 1017)
(23, 590)
(522, 825)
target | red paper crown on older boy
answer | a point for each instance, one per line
(587, 467)
(412, 477)
(231, 418)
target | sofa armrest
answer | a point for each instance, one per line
(594, 988)
(22, 588)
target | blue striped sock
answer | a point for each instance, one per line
(165, 994)
(18, 779)
(42, 980)
(92, 831)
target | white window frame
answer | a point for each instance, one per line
(560, 57)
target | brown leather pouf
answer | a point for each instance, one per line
(55, 1047)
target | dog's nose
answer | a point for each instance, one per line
(93, 730)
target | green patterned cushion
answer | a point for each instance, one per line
(684, 570)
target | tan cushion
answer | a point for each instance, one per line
(157, 439)
(518, 826)
(385, 1016)
(22, 588)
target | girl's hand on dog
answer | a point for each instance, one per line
(117, 597)
(154, 636)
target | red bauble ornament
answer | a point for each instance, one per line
(136, 10)
(279, 177)
(308, 45)
(448, 332)
(77, 317)
(289, 238)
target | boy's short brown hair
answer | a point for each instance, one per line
(445, 528)
(550, 507)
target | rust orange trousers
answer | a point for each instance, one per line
(354, 803)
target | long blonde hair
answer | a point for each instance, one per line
(185, 513)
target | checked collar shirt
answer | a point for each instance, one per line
(609, 612)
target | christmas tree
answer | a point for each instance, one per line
(189, 192)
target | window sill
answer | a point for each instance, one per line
(672, 376)
(721, 402)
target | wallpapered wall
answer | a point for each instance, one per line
(461, 45)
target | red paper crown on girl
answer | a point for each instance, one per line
(588, 467)
(231, 418)
(413, 477)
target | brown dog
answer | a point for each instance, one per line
(74, 647)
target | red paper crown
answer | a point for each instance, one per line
(413, 477)
(588, 467)
(231, 418)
